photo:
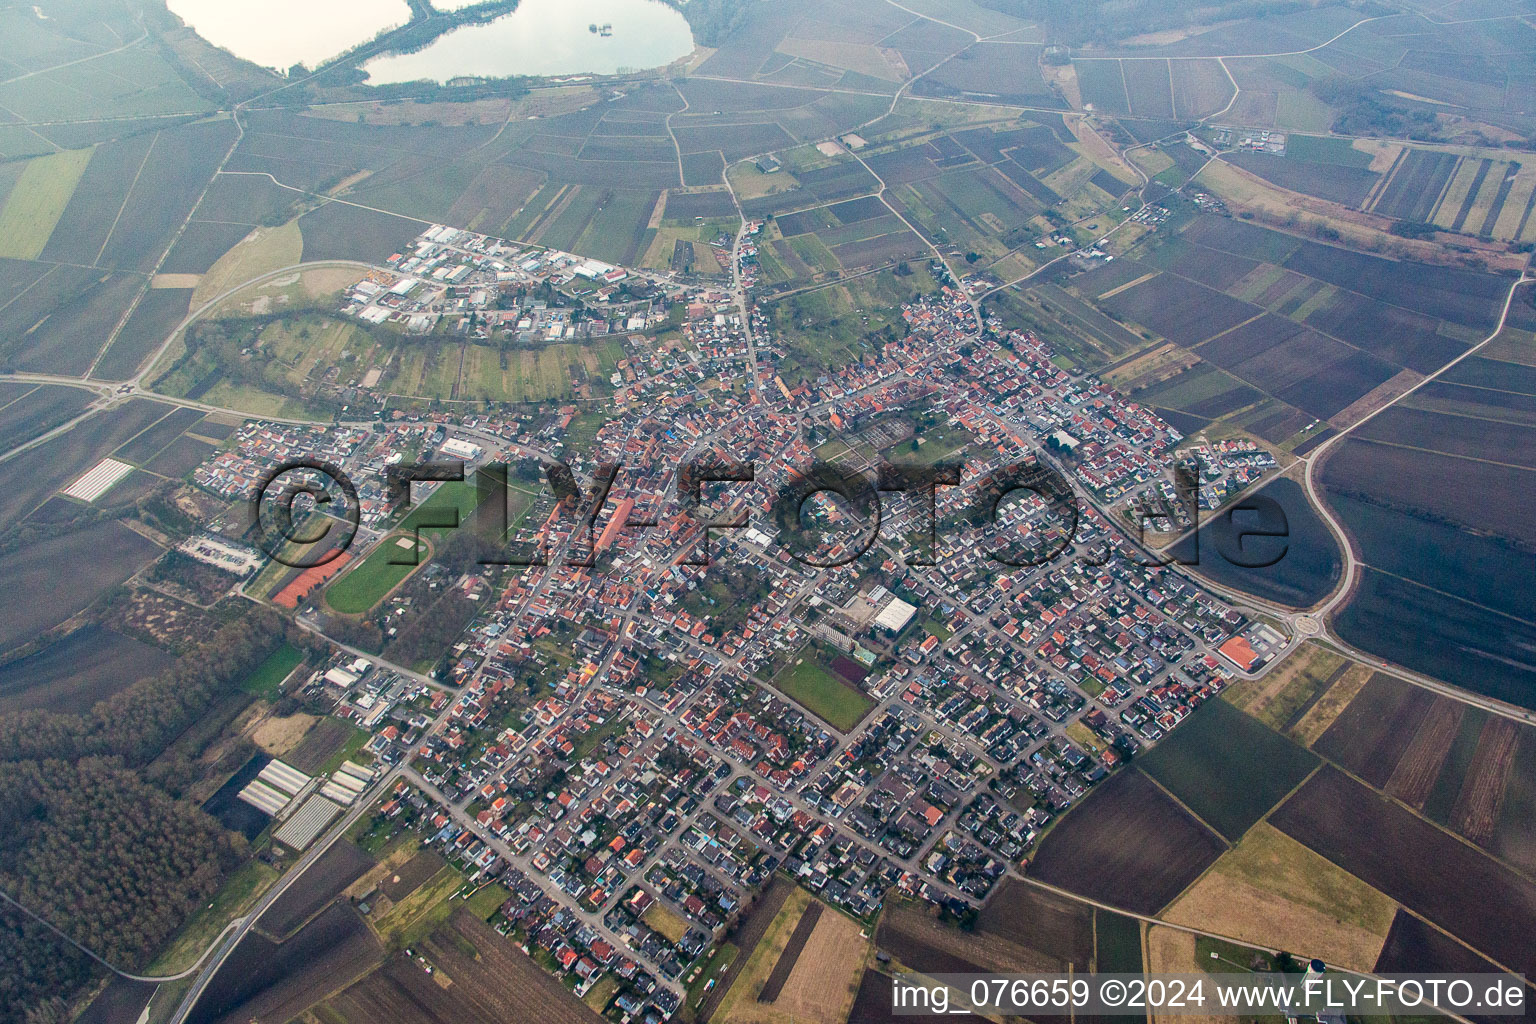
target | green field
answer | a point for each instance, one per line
(270, 674)
(415, 916)
(455, 495)
(442, 368)
(487, 900)
(1319, 149)
(37, 202)
(1117, 942)
(823, 694)
(367, 583)
(1227, 767)
(836, 325)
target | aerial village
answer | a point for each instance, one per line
(668, 701)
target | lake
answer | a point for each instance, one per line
(547, 37)
(282, 33)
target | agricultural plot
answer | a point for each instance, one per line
(1072, 325)
(1059, 930)
(62, 322)
(687, 207)
(1290, 691)
(100, 193)
(1226, 767)
(991, 71)
(1461, 436)
(1462, 767)
(263, 979)
(816, 977)
(1103, 85)
(36, 200)
(180, 458)
(1415, 946)
(153, 320)
(837, 181)
(1408, 503)
(322, 744)
(340, 866)
(1371, 320)
(1200, 88)
(479, 975)
(29, 478)
(1414, 185)
(915, 937)
(1411, 861)
(132, 82)
(1200, 391)
(71, 675)
(31, 411)
(492, 198)
(1409, 339)
(169, 182)
(337, 231)
(1438, 634)
(152, 441)
(1306, 565)
(876, 997)
(1149, 85)
(1463, 297)
(1347, 185)
(1272, 891)
(1370, 736)
(1127, 844)
(1184, 312)
(66, 573)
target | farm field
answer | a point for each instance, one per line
(74, 673)
(916, 938)
(1058, 929)
(1307, 564)
(65, 573)
(1289, 693)
(1414, 863)
(325, 744)
(146, 445)
(1463, 768)
(816, 976)
(1091, 852)
(1273, 891)
(36, 202)
(31, 411)
(478, 975)
(1390, 491)
(748, 937)
(159, 312)
(757, 964)
(1227, 767)
(337, 868)
(263, 979)
(1295, 341)
(873, 1005)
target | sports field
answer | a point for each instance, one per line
(372, 579)
(823, 694)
